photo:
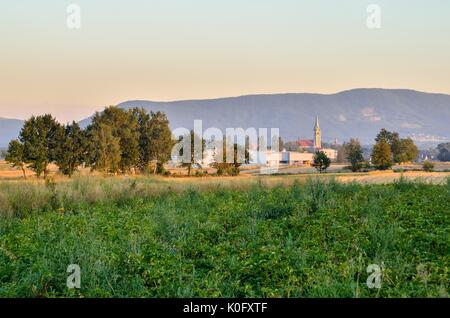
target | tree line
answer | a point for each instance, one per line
(132, 141)
(116, 141)
(388, 150)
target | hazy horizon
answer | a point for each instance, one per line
(179, 50)
(100, 108)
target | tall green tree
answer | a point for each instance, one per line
(408, 151)
(402, 150)
(15, 156)
(104, 149)
(145, 136)
(354, 154)
(39, 139)
(321, 161)
(396, 147)
(155, 139)
(71, 148)
(125, 127)
(381, 155)
(161, 142)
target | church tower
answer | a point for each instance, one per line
(317, 135)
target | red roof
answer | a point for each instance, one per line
(305, 143)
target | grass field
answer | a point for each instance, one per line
(147, 237)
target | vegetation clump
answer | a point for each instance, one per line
(313, 239)
(321, 161)
(428, 166)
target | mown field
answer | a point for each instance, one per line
(145, 238)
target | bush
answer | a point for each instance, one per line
(366, 166)
(234, 171)
(428, 166)
(200, 173)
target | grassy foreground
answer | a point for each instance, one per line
(312, 239)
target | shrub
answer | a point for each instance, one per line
(366, 166)
(428, 166)
(234, 171)
(321, 161)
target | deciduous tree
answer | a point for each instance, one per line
(15, 156)
(71, 148)
(408, 151)
(125, 127)
(381, 155)
(39, 139)
(321, 161)
(354, 154)
(104, 149)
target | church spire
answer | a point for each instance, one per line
(317, 126)
(317, 135)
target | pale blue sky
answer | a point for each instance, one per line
(182, 49)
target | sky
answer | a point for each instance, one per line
(195, 49)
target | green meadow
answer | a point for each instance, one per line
(142, 238)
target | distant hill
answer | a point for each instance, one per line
(9, 129)
(357, 113)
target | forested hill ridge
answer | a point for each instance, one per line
(359, 113)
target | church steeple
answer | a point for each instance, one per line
(317, 135)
